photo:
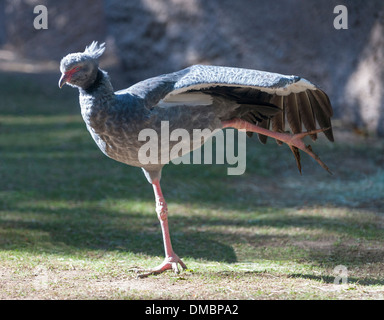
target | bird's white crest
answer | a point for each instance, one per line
(95, 50)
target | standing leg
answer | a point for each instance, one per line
(171, 259)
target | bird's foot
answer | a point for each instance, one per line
(295, 142)
(169, 263)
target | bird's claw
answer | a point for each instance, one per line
(169, 263)
(295, 143)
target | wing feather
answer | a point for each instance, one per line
(278, 121)
(263, 124)
(202, 77)
(263, 93)
(322, 117)
(293, 114)
(306, 112)
(324, 102)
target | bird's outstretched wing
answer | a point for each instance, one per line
(268, 99)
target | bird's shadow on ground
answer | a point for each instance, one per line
(96, 227)
(80, 227)
(95, 230)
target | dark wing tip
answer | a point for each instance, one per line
(323, 111)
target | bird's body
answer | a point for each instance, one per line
(115, 120)
(198, 97)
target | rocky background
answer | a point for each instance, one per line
(148, 37)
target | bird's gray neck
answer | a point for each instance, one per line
(97, 98)
(102, 84)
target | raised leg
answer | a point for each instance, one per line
(171, 260)
(294, 141)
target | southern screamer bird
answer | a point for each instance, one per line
(197, 97)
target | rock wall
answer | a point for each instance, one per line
(2, 23)
(285, 36)
(71, 25)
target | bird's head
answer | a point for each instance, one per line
(80, 69)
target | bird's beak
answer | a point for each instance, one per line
(63, 80)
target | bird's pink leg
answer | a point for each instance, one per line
(294, 141)
(171, 260)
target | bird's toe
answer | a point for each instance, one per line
(169, 263)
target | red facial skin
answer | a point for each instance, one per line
(66, 77)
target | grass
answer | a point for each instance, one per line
(73, 223)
